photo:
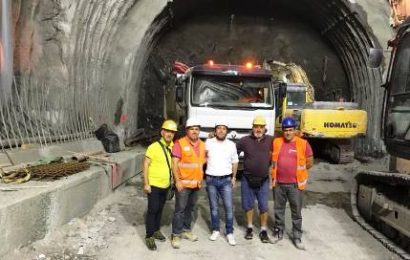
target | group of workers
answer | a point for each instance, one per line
(279, 163)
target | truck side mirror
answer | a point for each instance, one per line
(375, 58)
(179, 94)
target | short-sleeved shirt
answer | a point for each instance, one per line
(287, 163)
(257, 154)
(158, 170)
(220, 156)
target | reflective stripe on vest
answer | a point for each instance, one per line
(301, 171)
(194, 182)
(190, 164)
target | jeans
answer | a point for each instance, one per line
(282, 193)
(220, 187)
(185, 202)
(156, 202)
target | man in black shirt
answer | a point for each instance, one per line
(257, 148)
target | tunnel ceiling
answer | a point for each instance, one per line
(335, 22)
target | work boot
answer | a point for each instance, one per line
(189, 235)
(277, 235)
(159, 236)
(263, 235)
(175, 241)
(298, 244)
(249, 233)
(150, 242)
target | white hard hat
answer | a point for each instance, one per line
(192, 122)
(221, 122)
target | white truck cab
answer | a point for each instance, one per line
(229, 93)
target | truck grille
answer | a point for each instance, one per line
(233, 133)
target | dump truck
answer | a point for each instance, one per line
(330, 126)
(381, 200)
(213, 92)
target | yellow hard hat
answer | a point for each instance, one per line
(169, 125)
(259, 120)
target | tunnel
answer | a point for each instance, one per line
(79, 65)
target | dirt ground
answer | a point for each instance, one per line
(114, 229)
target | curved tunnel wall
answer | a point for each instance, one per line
(341, 24)
(90, 56)
(352, 41)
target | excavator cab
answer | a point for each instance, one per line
(397, 112)
(396, 117)
(296, 97)
(291, 98)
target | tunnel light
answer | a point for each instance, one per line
(249, 65)
(211, 62)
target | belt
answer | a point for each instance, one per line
(288, 184)
(219, 177)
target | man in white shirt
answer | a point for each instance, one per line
(222, 165)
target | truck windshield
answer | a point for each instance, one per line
(223, 91)
(398, 106)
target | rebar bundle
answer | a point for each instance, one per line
(44, 171)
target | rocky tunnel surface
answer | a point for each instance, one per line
(79, 65)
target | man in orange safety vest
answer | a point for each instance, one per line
(292, 156)
(188, 160)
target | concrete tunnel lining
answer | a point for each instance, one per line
(100, 50)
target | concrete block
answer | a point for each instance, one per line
(127, 168)
(74, 198)
(23, 222)
(37, 208)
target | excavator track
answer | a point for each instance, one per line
(341, 153)
(371, 206)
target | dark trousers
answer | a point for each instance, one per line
(185, 201)
(156, 202)
(281, 194)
